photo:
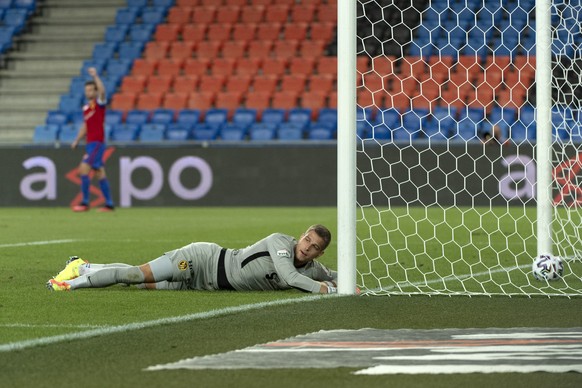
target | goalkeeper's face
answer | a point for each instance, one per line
(309, 247)
(90, 92)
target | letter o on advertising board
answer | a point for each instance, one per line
(205, 178)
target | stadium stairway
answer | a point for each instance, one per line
(47, 55)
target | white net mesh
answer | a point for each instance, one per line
(446, 153)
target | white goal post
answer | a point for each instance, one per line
(459, 146)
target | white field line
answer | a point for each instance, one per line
(26, 244)
(156, 322)
(58, 326)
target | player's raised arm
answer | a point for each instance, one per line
(98, 84)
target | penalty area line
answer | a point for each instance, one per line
(156, 322)
(47, 242)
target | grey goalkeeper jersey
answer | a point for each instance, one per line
(265, 265)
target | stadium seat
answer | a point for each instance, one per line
(322, 31)
(178, 132)
(196, 67)
(238, 84)
(203, 132)
(300, 116)
(229, 100)
(304, 66)
(287, 133)
(295, 31)
(328, 118)
(170, 67)
(133, 84)
(125, 132)
(311, 49)
(159, 84)
(201, 100)
(327, 65)
(152, 15)
(273, 116)
(258, 100)
(185, 84)
(57, 117)
(116, 33)
(247, 66)
(149, 101)
(70, 103)
(293, 83)
(265, 83)
(222, 66)
(244, 31)
(104, 50)
(167, 32)
(262, 134)
(204, 14)
(232, 132)
(277, 13)
(180, 15)
(162, 116)
(68, 133)
(113, 117)
(268, 31)
(228, 14)
(208, 49)
(274, 66)
(303, 13)
(46, 133)
(188, 117)
(137, 117)
(285, 48)
(141, 32)
(118, 67)
(320, 133)
(234, 49)
(176, 101)
(252, 14)
(260, 48)
(313, 101)
(212, 83)
(284, 100)
(219, 32)
(130, 50)
(216, 117)
(244, 117)
(152, 132)
(143, 67)
(194, 32)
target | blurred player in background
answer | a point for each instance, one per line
(277, 262)
(93, 130)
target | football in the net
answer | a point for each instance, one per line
(547, 267)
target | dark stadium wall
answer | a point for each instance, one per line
(275, 176)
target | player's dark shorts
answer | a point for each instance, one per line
(94, 155)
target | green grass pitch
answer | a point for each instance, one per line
(35, 242)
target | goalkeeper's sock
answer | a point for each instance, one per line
(88, 268)
(107, 277)
(85, 183)
(104, 184)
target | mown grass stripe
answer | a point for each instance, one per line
(146, 324)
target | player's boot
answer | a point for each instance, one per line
(71, 269)
(53, 285)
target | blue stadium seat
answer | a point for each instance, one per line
(244, 117)
(5, 4)
(116, 33)
(320, 133)
(152, 132)
(162, 116)
(301, 116)
(363, 129)
(466, 130)
(163, 3)
(28, 5)
(270, 115)
(6, 37)
(261, 133)
(152, 15)
(518, 132)
(141, 32)
(137, 117)
(98, 64)
(203, 132)
(216, 117)
(126, 15)
(113, 117)
(390, 118)
(381, 132)
(232, 132)
(328, 118)
(188, 116)
(130, 50)
(118, 67)
(104, 50)
(68, 133)
(125, 132)
(57, 117)
(46, 133)
(15, 18)
(289, 133)
(137, 3)
(70, 103)
(178, 132)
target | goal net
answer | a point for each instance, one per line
(451, 140)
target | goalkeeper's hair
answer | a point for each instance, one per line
(91, 83)
(322, 232)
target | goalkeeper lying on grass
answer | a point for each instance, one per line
(277, 262)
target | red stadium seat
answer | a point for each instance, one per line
(293, 83)
(144, 67)
(229, 100)
(220, 32)
(204, 14)
(194, 32)
(327, 65)
(382, 64)
(244, 31)
(260, 48)
(268, 31)
(180, 15)
(276, 66)
(187, 3)
(156, 50)
(304, 66)
(167, 32)
(258, 100)
(175, 101)
(252, 14)
(265, 83)
(159, 84)
(133, 84)
(181, 50)
(303, 13)
(123, 101)
(212, 83)
(284, 100)
(170, 66)
(295, 31)
(312, 48)
(196, 66)
(248, 66)
(185, 84)
(327, 13)
(314, 100)
(322, 31)
(149, 101)
(285, 48)
(323, 83)
(222, 66)
(234, 49)
(228, 14)
(201, 100)
(238, 83)
(277, 13)
(208, 49)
